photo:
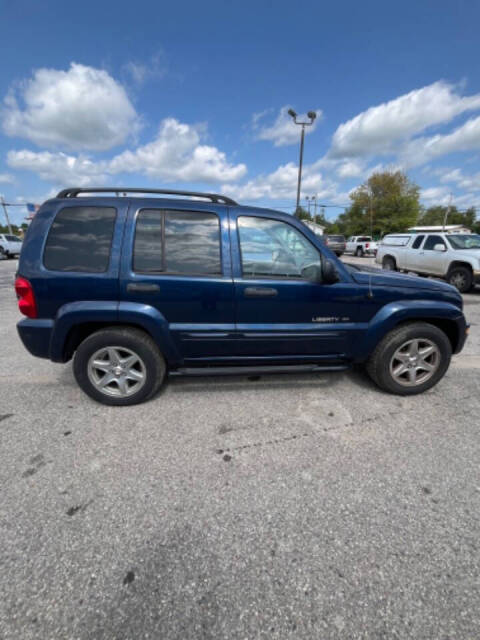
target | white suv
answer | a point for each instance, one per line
(10, 246)
(454, 257)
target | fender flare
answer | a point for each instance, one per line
(143, 316)
(395, 313)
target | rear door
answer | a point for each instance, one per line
(178, 260)
(414, 254)
(281, 316)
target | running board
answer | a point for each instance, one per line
(241, 370)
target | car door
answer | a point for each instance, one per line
(177, 259)
(413, 254)
(432, 261)
(280, 315)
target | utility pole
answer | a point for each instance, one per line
(314, 198)
(6, 216)
(447, 211)
(311, 115)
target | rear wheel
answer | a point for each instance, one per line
(119, 366)
(389, 264)
(410, 359)
(359, 252)
(460, 277)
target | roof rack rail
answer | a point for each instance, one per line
(73, 192)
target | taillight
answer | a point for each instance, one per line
(367, 244)
(26, 298)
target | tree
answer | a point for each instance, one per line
(436, 216)
(387, 202)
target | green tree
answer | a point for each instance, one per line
(436, 216)
(387, 202)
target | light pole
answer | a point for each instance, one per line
(311, 115)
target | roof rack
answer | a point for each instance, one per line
(73, 192)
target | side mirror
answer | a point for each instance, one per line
(329, 273)
(439, 247)
(312, 272)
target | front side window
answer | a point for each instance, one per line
(181, 242)
(465, 241)
(12, 239)
(80, 239)
(431, 241)
(272, 248)
(417, 242)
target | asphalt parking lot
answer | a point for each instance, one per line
(310, 506)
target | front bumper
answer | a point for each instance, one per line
(476, 276)
(35, 335)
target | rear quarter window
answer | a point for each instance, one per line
(80, 239)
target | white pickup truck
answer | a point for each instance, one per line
(361, 245)
(10, 246)
(454, 257)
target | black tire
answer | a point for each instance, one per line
(378, 365)
(2, 253)
(359, 252)
(389, 264)
(461, 278)
(132, 339)
(339, 253)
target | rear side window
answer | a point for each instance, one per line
(177, 242)
(80, 239)
(417, 242)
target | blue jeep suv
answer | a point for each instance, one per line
(137, 284)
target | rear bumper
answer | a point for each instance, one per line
(36, 335)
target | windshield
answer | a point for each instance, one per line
(465, 241)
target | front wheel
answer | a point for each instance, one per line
(410, 359)
(119, 366)
(460, 277)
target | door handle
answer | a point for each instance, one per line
(260, 292)
(143, 287)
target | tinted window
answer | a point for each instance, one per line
(274, 248)
(336, 238)
(364, 239)
(192, 243)
(431, 241)
(80, 239)
(177, 242)
(417, 242)
(12, 238)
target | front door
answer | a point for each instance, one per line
(432, 261)
(178, 261)
(280, 315)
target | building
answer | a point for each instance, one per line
(439, 228)
(316, 228)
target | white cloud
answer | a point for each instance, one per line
(81, 108)
(140, 72)
(283, 131)
(176, 155)
(375, 130)
(281, 184)
(59, 168)
(463, 138)
(436, 195)
(469, 182)
(350, 169)
(6, 178)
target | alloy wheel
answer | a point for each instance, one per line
(415, 362)
(116, 371)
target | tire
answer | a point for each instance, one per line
(461, 278)
(149, 368)
(359, 252)
(391, 351)
(338, 253)
(2, 253)
(389, 264)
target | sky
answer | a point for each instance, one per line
(194, 95)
